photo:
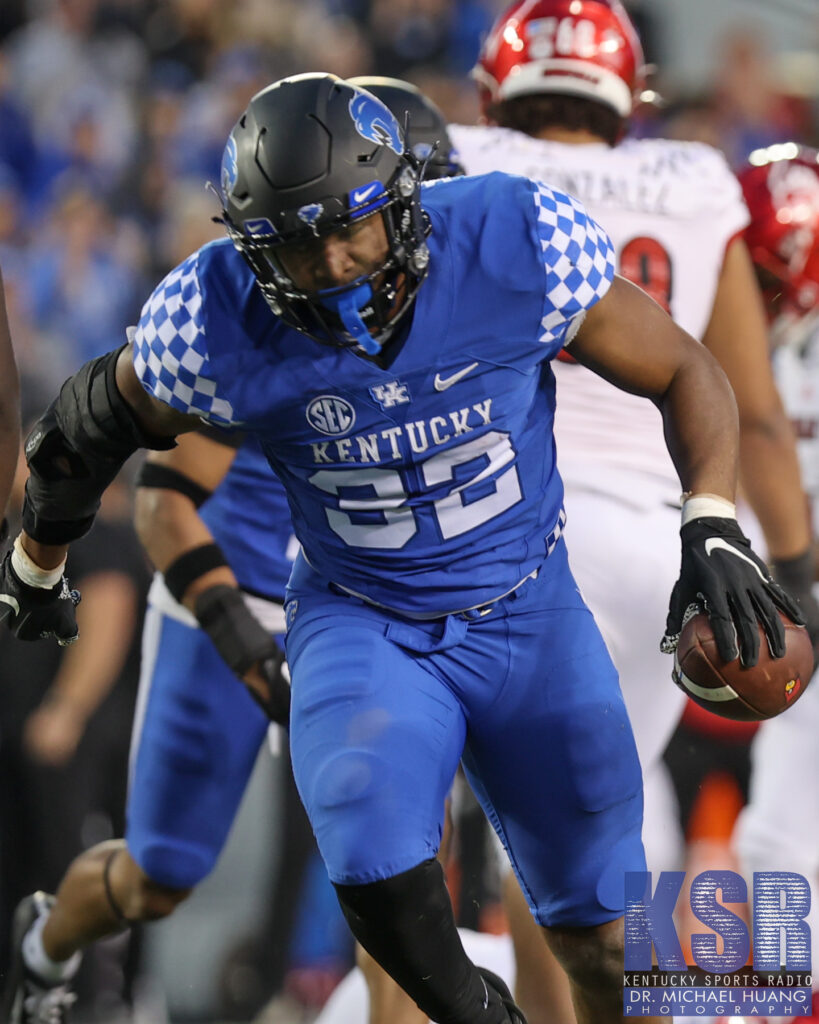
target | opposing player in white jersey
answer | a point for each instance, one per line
(390, 345)
(558, 79)
(779, 827)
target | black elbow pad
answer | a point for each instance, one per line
(76, 449)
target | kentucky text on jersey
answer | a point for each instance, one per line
(391, 444)
(430, 485)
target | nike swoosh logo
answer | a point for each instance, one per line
(11, 601)
(718, 544)
(442, 383)
(364, 193)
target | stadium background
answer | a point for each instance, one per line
(113, 114)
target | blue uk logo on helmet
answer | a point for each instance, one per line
(310, 213)
(230, 168)
(374, 122)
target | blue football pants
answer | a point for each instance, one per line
(196, 738)
(384, 708)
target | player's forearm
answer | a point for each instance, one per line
(169, 527)
(772, 482)
(46, 556)
(701, 427)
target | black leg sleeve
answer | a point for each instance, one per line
(406, 924)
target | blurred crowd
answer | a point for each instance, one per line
(113, 114)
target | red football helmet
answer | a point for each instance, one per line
(580, 47)
(781, 186)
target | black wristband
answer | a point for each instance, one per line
(152, 474)
(236, 633)
(190, 566)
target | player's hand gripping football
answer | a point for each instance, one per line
(37, 612)
(247, 647)
(721, 574)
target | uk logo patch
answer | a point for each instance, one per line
(375, 122)
(331, 415)
(230, 168)
(390, 394)
(290, 612)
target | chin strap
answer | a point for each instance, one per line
(348, 305)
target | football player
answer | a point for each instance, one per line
(9, 413)
(214, 521)
(779, 827)
(214, 608)
(390, 346)
(558, 80)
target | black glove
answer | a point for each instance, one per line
(276, 705)
(34, 613)
(721, 573)
(796, 576)
(244, 643)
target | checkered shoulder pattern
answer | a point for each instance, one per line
(578, 257)
(170, 355)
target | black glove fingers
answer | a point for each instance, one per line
(276, 702)
(788, 604)
(771, 623)
(725, 635)
(744, 617)
(673, 622)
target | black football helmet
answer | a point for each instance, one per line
(424, 125)
(310, 155)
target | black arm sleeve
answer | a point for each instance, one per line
(76, 449)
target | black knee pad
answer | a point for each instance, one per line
(406, 924)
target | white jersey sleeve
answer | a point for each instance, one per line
(170, 348)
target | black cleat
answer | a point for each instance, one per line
(498, 986)
(28, 999)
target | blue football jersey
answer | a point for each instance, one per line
(429, 486)
(249, 518)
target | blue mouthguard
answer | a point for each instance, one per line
(348, 304)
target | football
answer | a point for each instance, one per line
(743, 694)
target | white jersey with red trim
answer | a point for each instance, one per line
(671, 209)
